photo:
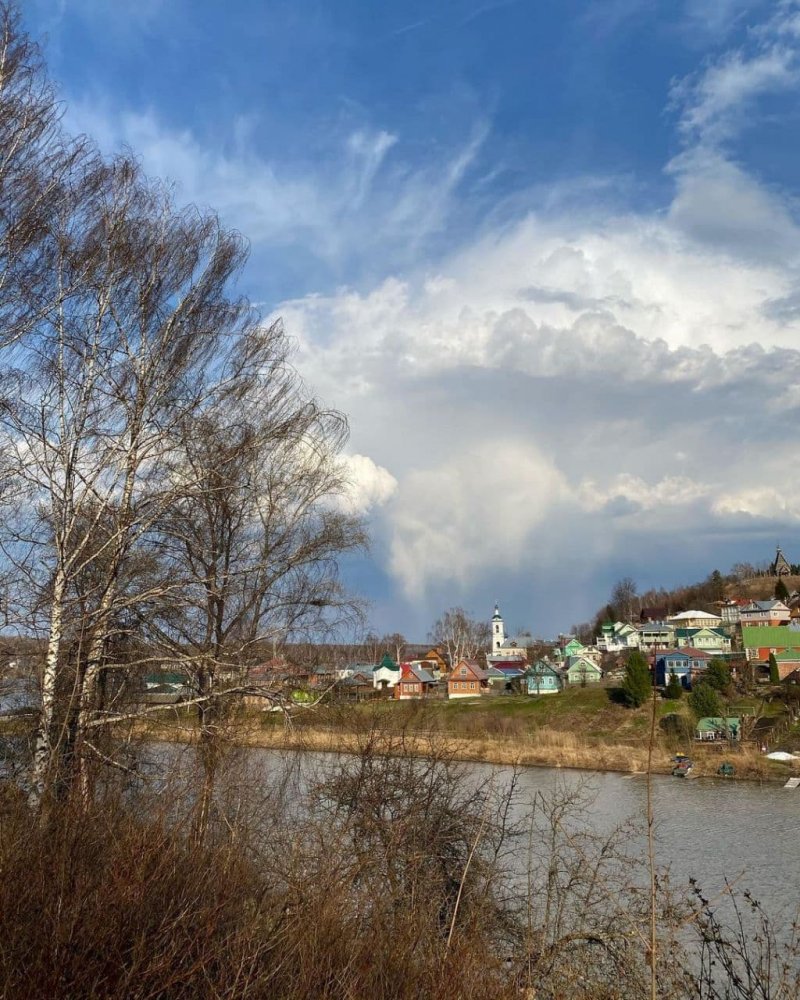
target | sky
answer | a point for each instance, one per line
(546, 256)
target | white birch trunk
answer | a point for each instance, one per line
(43, 750)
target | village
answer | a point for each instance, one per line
(754, 645)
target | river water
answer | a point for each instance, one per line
(706, 828)
(709, 829)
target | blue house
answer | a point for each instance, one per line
(684, 663)
(542, 678)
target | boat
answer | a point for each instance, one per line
(683, 766)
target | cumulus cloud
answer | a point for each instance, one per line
(368, 485)
(480, 508)
(573, 389)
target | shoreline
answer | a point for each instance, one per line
(610, 758)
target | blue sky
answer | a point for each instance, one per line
(544, 255)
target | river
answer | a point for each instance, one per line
(709, 829)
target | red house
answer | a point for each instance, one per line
(414, 682)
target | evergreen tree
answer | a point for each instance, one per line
(774, 673)
(717, 675)
(636, 685)
(704, 701)
(781, 591)
(674, 688)
(716, 586)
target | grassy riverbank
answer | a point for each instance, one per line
(579, 728)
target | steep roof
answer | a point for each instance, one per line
(387, 663)
(411, 672)
(473, 670)
(541, 667)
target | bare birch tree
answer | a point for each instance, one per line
(460, 635)
(255, 538)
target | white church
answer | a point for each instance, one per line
(506, 647)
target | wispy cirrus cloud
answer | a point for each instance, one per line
(715, 101)
(327, 208)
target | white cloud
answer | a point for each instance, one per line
(715, 17)
(671, 491)
(569, 382)
(479, 509)
(327, 208)
(767, 502)
(368, 485)
(715, 101)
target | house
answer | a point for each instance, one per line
(353, 668)
(685, 663)
(617, 636)
(503, 676)
(542, 678)
(355, 686)
(414, 682)
(656, 635)
(580, 670)
(758, 642)
(714, 728)
(435, 662)
(761, 613)
(695, 619)
(653, 614)
(322, 676)
(731, 610)
(788, 663)
(467, 680)
(572, 647)
(712, 640)
(166, 687)
(385, 674)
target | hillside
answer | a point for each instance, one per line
(760, 588)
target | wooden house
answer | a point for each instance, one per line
(467, 680)
(580, 671)
(414, 682)
(542, 677)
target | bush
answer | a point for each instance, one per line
(677, 725)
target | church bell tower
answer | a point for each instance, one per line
(498, 630)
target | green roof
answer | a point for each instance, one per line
(788, 655)
(770, 635)
(387, 663)
(167, 677)
(716, 724)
